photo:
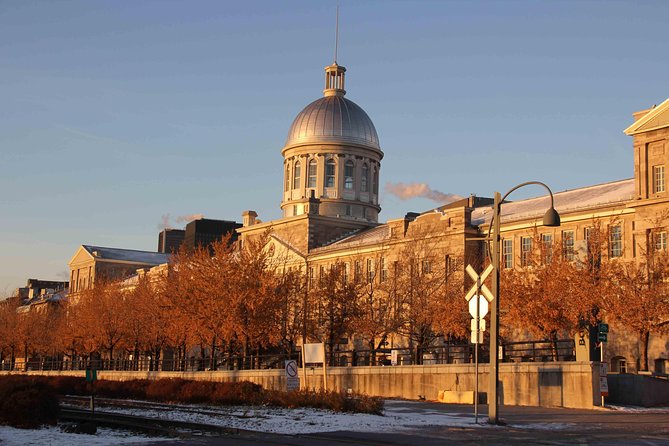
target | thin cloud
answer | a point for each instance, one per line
(419, 190)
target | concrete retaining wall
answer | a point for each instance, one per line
(556, 384)
(638, 390)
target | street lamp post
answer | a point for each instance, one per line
(551, 218)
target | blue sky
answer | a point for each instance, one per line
(113, 114)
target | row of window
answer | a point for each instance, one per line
(526, 246)
(330, 175)
(373, 265)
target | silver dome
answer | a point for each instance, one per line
(333, 119)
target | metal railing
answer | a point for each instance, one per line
(451, 353)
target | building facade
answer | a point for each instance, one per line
(330, 209)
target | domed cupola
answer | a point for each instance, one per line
(332, 154)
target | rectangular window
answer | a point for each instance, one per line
(525, 251)
(547, 248)
(321, 274)
(426, 267)
(347, 272)
(384, 271)
(661, 241)
(616, 242)
(358, 270)
(658, 178)
(568, 245)
(370, 270)
(330, 173)
(311, 174)
(311, 277)
(507, 253)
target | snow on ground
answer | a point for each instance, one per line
(399, 416)
(637, 409)
(53, 436)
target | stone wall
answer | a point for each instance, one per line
(638, 390)
(558, 384)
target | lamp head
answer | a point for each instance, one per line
(551, 217)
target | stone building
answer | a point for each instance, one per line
(90, 263)
(332, 163)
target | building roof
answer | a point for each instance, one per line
(655, 118)
(361, 237)
(333, 119)
(127, 255)
(590, 197)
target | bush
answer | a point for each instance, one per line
(27, 403)
(205, 392)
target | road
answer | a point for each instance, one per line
(524, 426)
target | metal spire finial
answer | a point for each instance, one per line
(336, 35)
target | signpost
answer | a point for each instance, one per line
(292, 380)
(478, 297)
(314, 353)
(602, 337)
(91, 377)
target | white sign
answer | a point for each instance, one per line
(479, 280)
(393, 357)
(483, 306)
(481, 325)
(314, 353)
(603, 386)
(291, 368)
(475, 339)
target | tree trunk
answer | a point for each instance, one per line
(643, 361)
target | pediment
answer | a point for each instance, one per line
(655, 119)
(283, 253)
(80, 256)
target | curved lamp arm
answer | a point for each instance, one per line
(551, 217)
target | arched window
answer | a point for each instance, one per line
(375, 181)
(330, 173)
(287, 182)
(311, 174)
(364, 179)
(296, 176)
(348, 174)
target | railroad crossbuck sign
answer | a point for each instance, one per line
(478, 303)
(478, 283)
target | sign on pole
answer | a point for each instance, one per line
(312, 354)
(292, 380)
(483, 307)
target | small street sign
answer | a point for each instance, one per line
(481, 324)
(603, 386)
(603, 328)
(292, 380)
(91, 375)
(476, 340)
(483, 307)
(602, 337)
